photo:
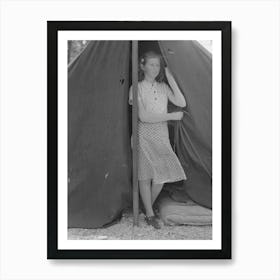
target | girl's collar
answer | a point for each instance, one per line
(149, 83)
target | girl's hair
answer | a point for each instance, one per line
(143, 60)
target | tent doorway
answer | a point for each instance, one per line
(143, 47)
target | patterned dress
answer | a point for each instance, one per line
(157, 160)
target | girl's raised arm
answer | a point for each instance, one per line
(175, 95)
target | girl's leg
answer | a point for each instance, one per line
(156, 189)
(145, 192)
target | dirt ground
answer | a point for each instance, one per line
(124, 230)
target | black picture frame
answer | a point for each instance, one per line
(52, 140)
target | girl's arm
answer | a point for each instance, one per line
(176, 97)
(149, 117)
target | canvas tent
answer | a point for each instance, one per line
(99, 127)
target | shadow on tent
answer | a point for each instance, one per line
(99, 127)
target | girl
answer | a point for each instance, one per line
(158, 163)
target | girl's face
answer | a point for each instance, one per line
(151, 68)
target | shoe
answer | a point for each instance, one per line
(152, 221)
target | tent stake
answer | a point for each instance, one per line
(134, 132)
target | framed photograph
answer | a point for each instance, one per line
(139, 140)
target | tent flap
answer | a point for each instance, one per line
(192, 69)
(99, 167)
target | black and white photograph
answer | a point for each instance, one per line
(138, 121)
(174, 148)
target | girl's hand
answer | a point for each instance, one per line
(176, 116)
(168, 73)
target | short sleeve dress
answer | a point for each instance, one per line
(157, 160)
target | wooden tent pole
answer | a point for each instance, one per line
(134, 132)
